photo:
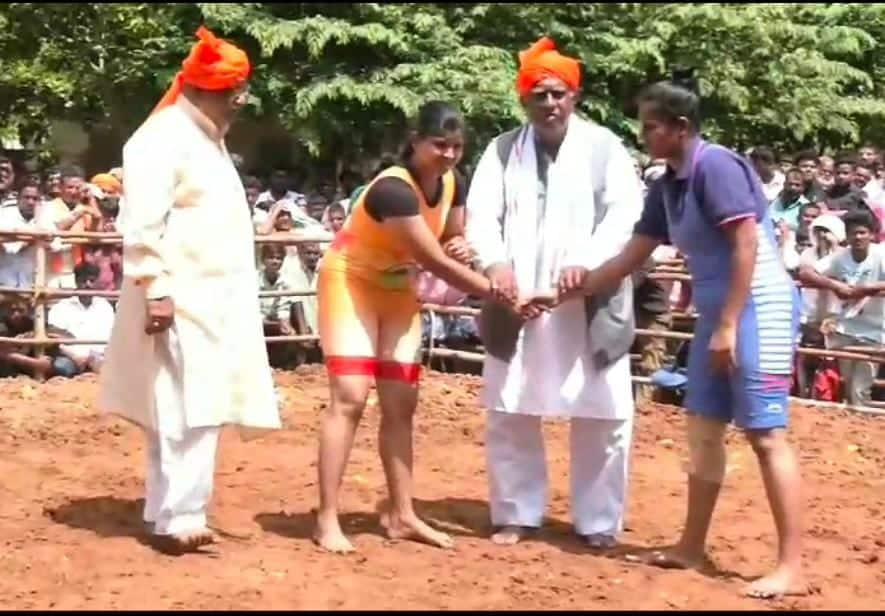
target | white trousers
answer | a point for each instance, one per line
(179, 479)
(517, 467)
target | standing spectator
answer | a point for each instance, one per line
(107, 257)
(788, 204)
(810, 211)
(651, 302)
(84, 318)
(52, 185)
(8, 197)
(826, 171)
(335, 216)
(279, 189)
(856, 274)
(18, 259)
(868, 154)
(72, 210)
(772, 180)
(828, 233)
(844, 196)
(807, 162)
(253, 188)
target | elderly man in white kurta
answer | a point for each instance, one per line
(548, 199)
(187, 353)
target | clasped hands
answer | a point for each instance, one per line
(505, 290)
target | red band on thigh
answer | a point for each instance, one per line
(396, 371)
(343, 366)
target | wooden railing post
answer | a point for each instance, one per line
(39, 299)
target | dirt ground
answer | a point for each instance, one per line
(72, 488)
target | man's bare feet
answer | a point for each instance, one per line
(782, 582)
(413, 528)
(182, 543)
(600, 542)
(328, 535)
(511, 535)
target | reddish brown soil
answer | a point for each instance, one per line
(72, 488)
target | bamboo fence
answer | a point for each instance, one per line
(40, 294)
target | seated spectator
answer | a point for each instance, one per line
(83, 318)
(22, 360)
(788, 204)
(301, 273)
(276, 312)
(18, 260)
(856, 274)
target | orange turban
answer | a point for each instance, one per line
(213, 64)
(540, 61)
(108, 183)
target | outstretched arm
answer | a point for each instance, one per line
(610, 274)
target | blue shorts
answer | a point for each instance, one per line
(751, 398)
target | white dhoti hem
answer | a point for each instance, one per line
(179, 480)
(517, 468)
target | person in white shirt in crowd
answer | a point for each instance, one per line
(253, 188)
(278, 198)
(765, 165)
(856, 274)
(8, 198)
(827, 233)
(18, 260)
(84, 318)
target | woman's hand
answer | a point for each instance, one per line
(723, 344)
(459, 249)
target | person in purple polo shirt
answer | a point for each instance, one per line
(711, 206)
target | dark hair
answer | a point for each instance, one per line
(871, 167)
(792, 171)
(806, 155)
(434, 119)
(676, 98)
(28, 183)
(336, 207)
(861, 218)
(845, 160)
(271, 250)
(86, 270)
(71, 171)
(250, 181)
(762, 154)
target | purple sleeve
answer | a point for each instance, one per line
(731, 190)
(653, 221)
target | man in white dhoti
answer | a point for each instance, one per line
(187, 352)
(548, 200)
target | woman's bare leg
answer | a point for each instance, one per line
(337, 431)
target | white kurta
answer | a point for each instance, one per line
(551, 372)
(187, 234)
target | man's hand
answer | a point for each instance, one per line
(571, 281)
(535, 305)
(503, 283)
(286, 328)
(846, 291)
(160, 314)
(458, 249)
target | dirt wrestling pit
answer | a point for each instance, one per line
(71, 531)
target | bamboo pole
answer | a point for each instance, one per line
(40, 307)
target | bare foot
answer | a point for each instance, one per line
(784, 581)
(510, 535)
(329, 536)
(183, 543)
(676, 557)
(413, 528)
(604, 542)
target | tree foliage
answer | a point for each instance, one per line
(343, 78)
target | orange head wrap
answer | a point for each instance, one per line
(108, 183)
(213, 64)
(540, 61)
